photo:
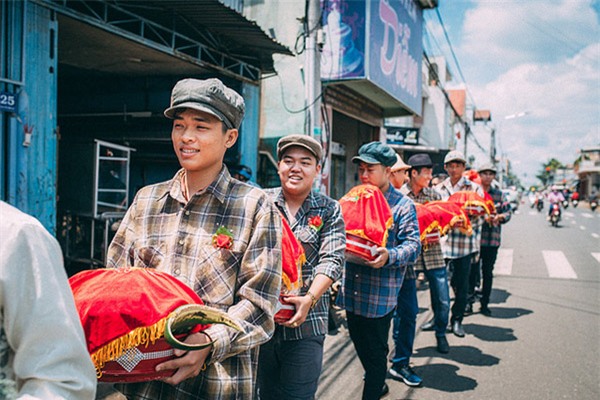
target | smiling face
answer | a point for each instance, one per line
(420, 177)
(374, 174)
(200, 142)
(298, 169)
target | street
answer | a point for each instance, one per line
(542, 340)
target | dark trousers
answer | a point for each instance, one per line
(460, 284)
(405, 321)
(488, 259)
(370, 338)
(290, 369)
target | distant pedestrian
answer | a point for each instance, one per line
(290, 363)
(43, 353)
(431, 260)
(458, 248)
(369, 292)
(491, 232)
(399, 173)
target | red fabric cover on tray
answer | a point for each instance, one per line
(367, 214)
(125, 308)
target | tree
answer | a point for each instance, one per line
(546, 175)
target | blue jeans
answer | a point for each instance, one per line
(405, 321)
(440, 298)
(290, 369)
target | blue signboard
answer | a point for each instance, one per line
(8, 101)
(376, 40)
(396, 49)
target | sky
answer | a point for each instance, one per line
(538, 59)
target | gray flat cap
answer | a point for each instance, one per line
(304, 141)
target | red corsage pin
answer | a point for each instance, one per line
(315, 222)
(223, 238)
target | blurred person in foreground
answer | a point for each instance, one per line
(431, 258)
(458, 248)
(216, 234)
(491, 232)
(43, 353)
(369, 293)
(290, 363)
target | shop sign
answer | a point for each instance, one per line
(398, 135)
(375, 40)
(8, 102)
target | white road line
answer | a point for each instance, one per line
(504, 262)
(557, 265)
(569, 214)
(582, 227)
(532, 213)
(596, 256)
(573, 222)
(587, 215)
(595, 235)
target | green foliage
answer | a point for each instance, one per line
(546, 175)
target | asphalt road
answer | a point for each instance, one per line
(542, 340)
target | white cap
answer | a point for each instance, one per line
(454, 155)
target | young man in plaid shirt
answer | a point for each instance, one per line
(458, 247)
(171, 226)
(432, 262)
(369, 292)
(290, 363)
(490, 237)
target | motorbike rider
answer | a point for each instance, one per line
(554, 197)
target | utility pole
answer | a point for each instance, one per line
(467, 131)
(312, 67)
(493, 146)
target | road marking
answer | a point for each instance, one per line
(557, 265)
(595, 235)
(582, 227)
(569, 214)
(573, 222)
(596, 256)
(587, 215)
(532, 213)
(504, 262)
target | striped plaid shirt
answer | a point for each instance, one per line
(431, 256)
(373, 293)
(456, 244)
(164, 231)
(490, 235)
(324, 250)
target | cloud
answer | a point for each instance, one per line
(541, 58)
(502, 34)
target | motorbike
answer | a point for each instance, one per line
(565, 204)
(540, 205)
(575, 202)
(554, 214)
(593, 205)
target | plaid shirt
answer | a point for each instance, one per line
(490, 235)
(324, 250)
(431, 256)
(371, 292)
(457, 244)
(164, 231)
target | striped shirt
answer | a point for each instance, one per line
(490, 235)
(456, 244)
(324, 250)
(164, 231)
(373, 293)
(431, 256)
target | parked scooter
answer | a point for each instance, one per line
(593, 205)
(554, 214)
(565, 204)
(574, 202)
